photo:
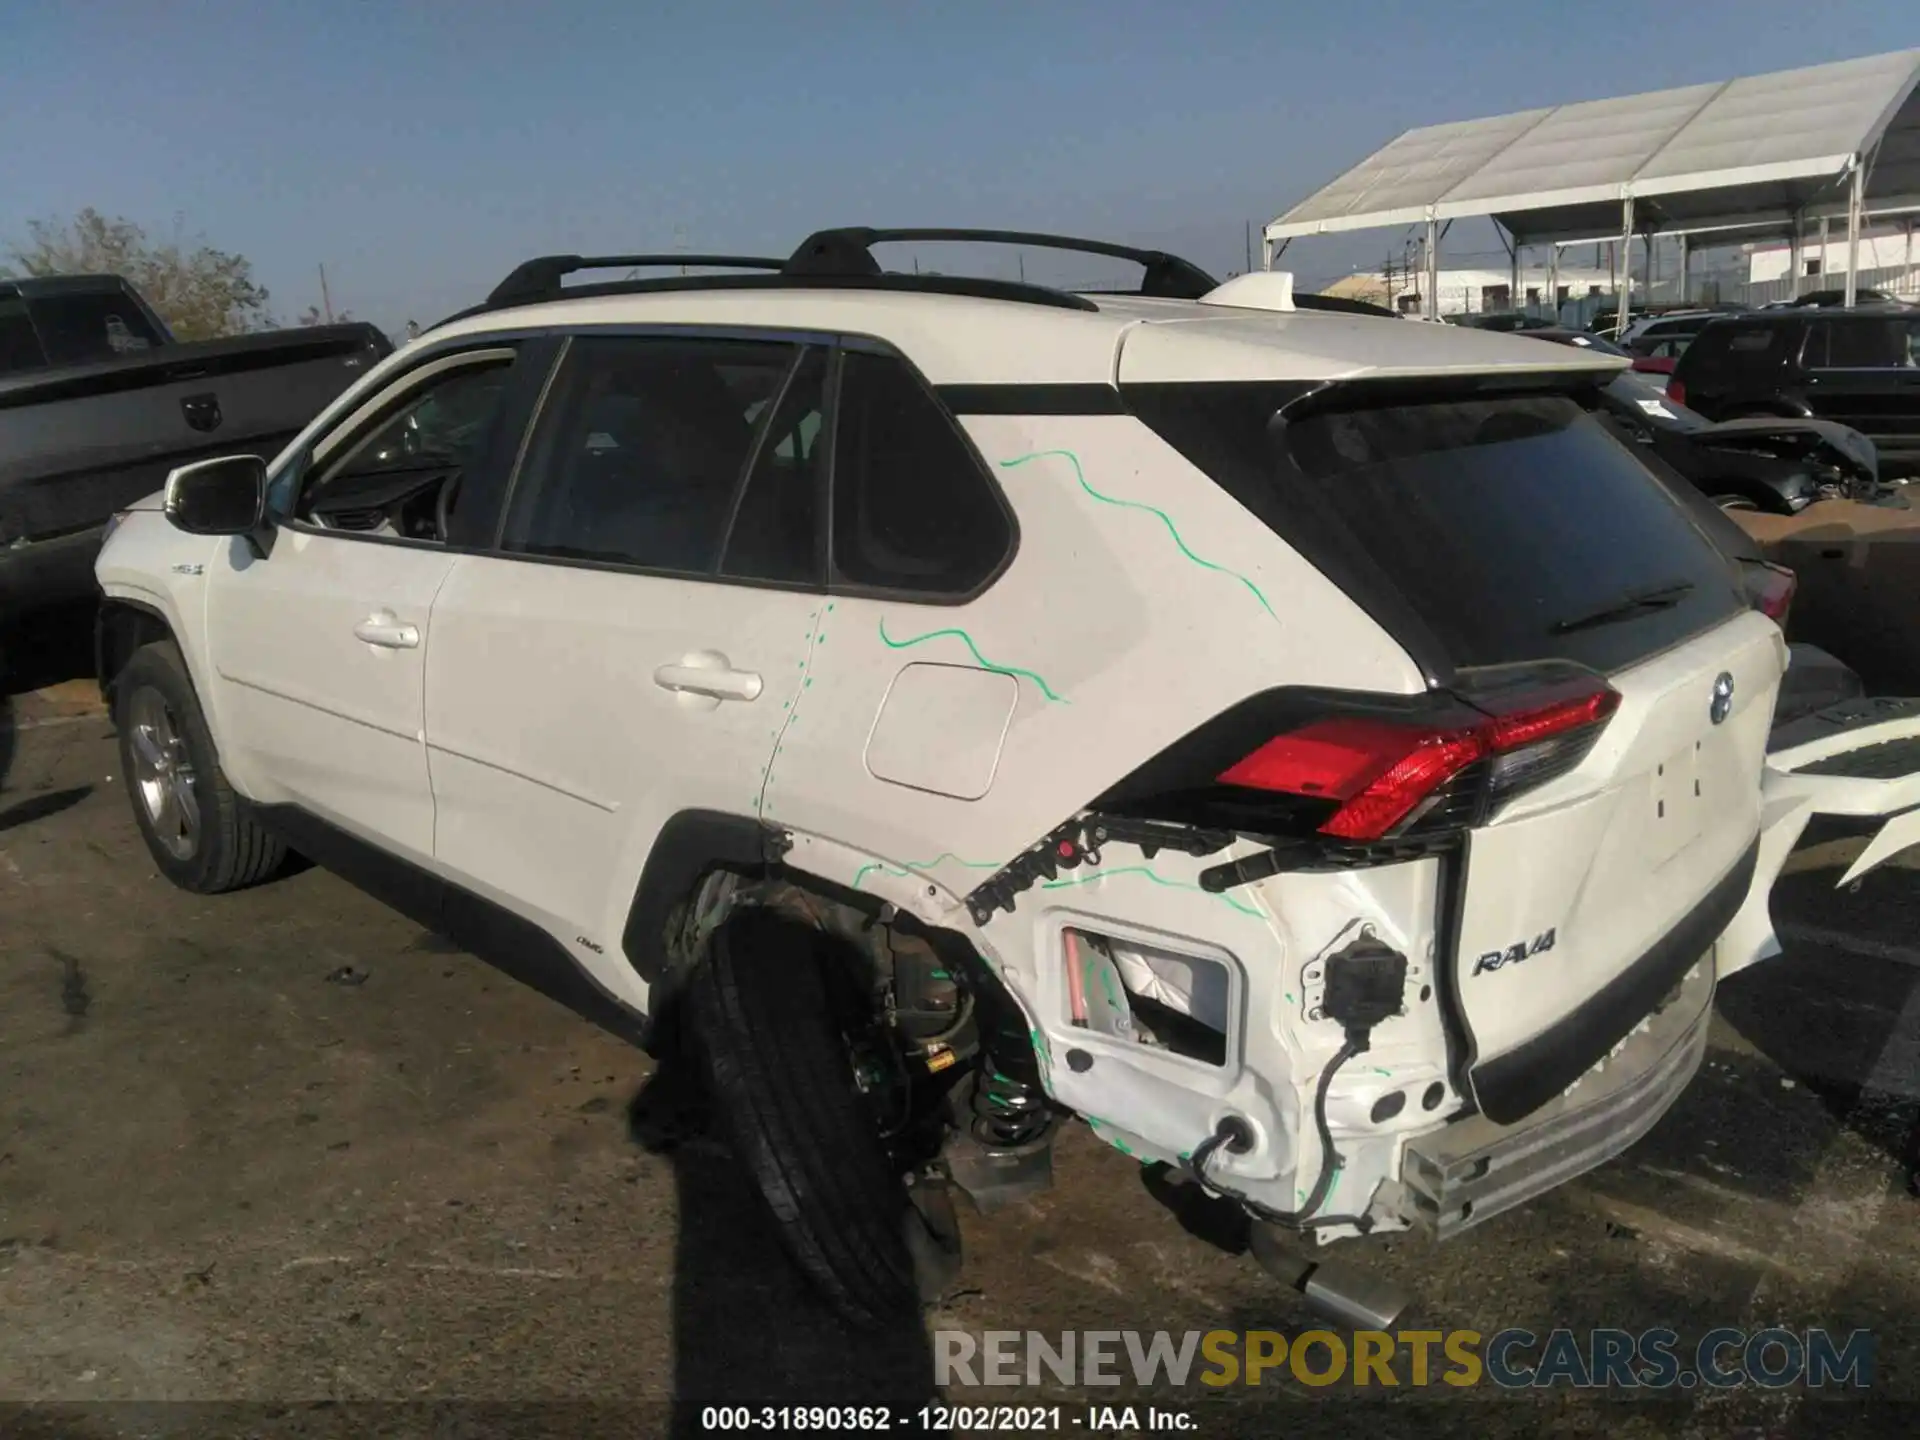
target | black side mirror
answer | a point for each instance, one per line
(227, 496)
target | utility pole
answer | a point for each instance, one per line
(326, 300)
(1249, 269)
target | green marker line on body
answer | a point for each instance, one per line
(1165, 519)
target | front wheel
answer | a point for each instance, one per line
(197, 829)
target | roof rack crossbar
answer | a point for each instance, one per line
(540, 277)
(848, 251)
(843, 257)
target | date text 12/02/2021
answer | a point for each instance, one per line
(946, 1419)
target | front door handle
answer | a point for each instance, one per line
(383, 629)
(707, 672)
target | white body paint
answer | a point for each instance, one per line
(529, 750)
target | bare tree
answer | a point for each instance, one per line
(201, 292)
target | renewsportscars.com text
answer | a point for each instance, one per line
(1509, 1359)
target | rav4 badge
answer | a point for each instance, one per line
(1514, 954)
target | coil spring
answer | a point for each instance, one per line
(1007, 1111)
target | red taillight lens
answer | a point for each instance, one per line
(1519, 728)
(1771, 588)
(1385, 774)
(1677, 391)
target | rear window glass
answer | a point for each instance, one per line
(1752, 341)
(1509, 529)
(1860, 344)
(81, 329)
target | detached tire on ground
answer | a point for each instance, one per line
(784, 1090)
(197, 829)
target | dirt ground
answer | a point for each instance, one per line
(284, 1147)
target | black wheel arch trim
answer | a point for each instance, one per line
(110, 606)
(689, 845)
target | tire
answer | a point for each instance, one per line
(783, 1086)
(200, 833)
(1735, 502)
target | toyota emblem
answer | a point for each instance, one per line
(1721, 705)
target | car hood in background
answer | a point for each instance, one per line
(1846, 445)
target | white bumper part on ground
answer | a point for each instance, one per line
(1857, 760)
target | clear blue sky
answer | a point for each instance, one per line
(420, 149)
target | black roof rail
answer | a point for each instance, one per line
(539, 278)
(849, 252)
(840, 260)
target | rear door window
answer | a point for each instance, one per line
(684, 455)
(1855, 344)
(1493, 530)
(90, 327)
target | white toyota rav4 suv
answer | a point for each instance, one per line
(1310, 748)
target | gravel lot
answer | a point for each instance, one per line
(284, 1146)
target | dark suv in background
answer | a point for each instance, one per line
(1859, 367)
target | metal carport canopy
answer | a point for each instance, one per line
(1756, 152)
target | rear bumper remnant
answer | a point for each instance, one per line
(1465, 1172)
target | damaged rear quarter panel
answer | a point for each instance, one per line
(1143, 600)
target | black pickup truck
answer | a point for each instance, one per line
(98, 402)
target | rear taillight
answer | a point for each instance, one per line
(1770, 590)
(1384, 776)
(1677, 390)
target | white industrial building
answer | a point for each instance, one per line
(1889, 261)
(1468, 291)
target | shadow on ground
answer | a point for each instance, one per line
(746, 1329)
(40, 806)
(46, 648)
(1825, 1018)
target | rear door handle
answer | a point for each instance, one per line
(382, 629)
(707, 672)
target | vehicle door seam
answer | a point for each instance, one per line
(426, 750)
(791, 708)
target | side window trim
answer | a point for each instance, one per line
(562, 346)
(1814, 336)
(762, 437)
(836, 584)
